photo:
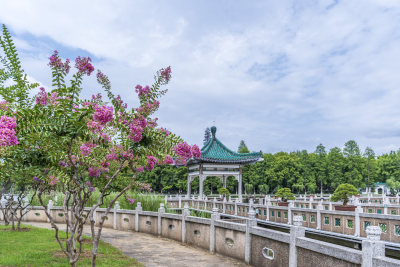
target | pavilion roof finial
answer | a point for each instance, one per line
(213, 131)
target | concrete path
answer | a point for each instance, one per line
(153, 251)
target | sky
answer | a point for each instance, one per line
(281, 75)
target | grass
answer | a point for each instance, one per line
(38, 247)
(149, 201)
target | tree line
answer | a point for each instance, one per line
(301, 171)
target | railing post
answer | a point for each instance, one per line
(250, 222)
(319, 219)
(296, 230)
(224, 206)
(180, 202)
(138, 210)
(236, 206)
(214, 217)
(268, 204)
(372, 246)
(290, 206)
(116, 207)
(161, 211)
(185, 213)
(357, 223)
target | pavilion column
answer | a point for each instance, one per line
(224, 181)
(240, 188)
(189, 188)
(201, 181)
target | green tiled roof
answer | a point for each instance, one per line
(216, 152)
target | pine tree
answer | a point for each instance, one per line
(243, 148)
(207, 136)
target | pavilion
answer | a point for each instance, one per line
(218, 160)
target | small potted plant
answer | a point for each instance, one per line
(343, 192)
(285, 194)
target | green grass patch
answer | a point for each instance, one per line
(38, 247)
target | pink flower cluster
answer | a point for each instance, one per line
(53, 99)
(94, 172)
(148, 108)
(7, 133)
(166, 73)
(142, 91)
(86, 148)
(143, 186)
(163, 130)
(103, 114)
(130, 199)
(42, 97)
(151, 162)
(168, 160)
(102, 79)
(136, 128)
(53, 180)
(55, 62)
(185, 151)
(120, 102)
(83, 65)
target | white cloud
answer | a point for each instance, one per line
(281, 75)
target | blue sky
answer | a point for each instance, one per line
(281, 75)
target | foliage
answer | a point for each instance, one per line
(38, 247)
(248, 188)
(242, 147)
(285, 194)
(224, 192)
(207, 136)
(343, 192)
(263, 188)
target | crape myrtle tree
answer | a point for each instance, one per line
(77, 146)
(15, 164)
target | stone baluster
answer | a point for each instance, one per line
(214, 217)
(250, 222)
(357, 222)
(214, 203)
(116, 208)
(179, 202)
(319, 219)
(224, 206)
(296, 230)
(268, 205)
(236, 201)
(372, 246)
(161, 211)
(290, 206)
(137, 212)
(185, 214)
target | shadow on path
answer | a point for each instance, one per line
(153, 251)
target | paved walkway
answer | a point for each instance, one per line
(153, 251)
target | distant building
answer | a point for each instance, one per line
(379, 188)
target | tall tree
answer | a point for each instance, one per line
(207, 135)
(353, 169)
(243, 148)
(321, 169)
(369, 155)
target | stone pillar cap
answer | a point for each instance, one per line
(297, 220)
(373, 232)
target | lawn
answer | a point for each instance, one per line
(38, 247)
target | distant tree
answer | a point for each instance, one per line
(351, 149)
(343, 192)
(207, 135)
(369, 154)
(243, 148)
(285, 194)
(248, 188)
(321, 166)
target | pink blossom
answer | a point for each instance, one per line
(94, 126)
(166, 73)
(142, 91)
(121, 103)
(55, 62)
(103, 114)
(105, 164)
(135, 133)
(86, 148)
(7, 133)
(83, 65)
(151, 162)
(183, 150)
(112, 156)
(42, 97)
(53, 99)
(196, 153)
(168, 160)
(94, 172)
(130, 200)
(140, 169)
(53, 180)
